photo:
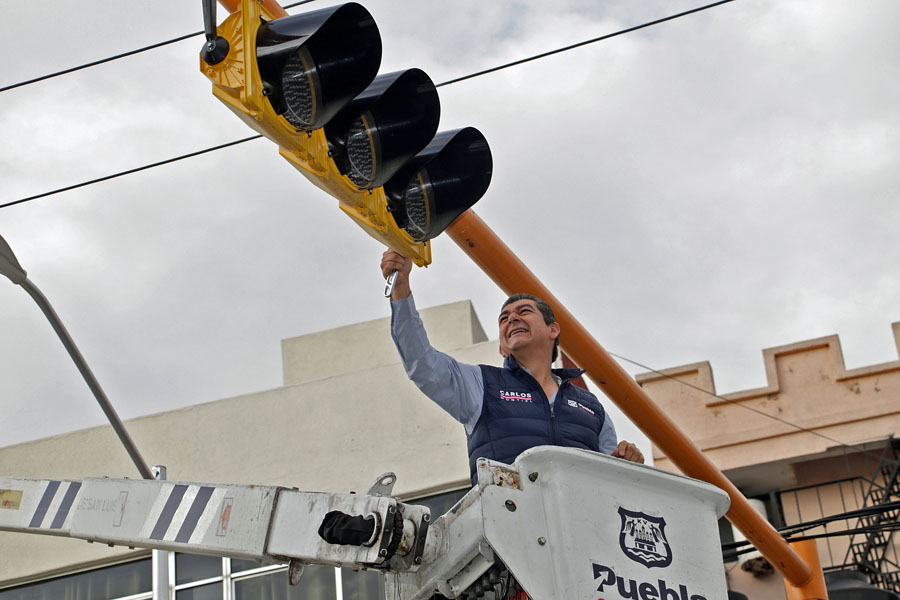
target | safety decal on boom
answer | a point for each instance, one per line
(10, 499)
(55, 504)
(182, 513)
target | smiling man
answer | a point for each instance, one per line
(507, 410)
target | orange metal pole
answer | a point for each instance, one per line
(814, 589)
(493, 256)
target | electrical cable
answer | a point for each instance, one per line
(745, 548)
(733, 549)
(448, 82)
(584, 43)
(135, 170)
(118, 56)
(868, 511)
(792, 530)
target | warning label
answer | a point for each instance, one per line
(10, 499)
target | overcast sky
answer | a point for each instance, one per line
(699, 190)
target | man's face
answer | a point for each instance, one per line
(522, 328)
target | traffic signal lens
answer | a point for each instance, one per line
(415, 203)
(362, 151)
(300, 86)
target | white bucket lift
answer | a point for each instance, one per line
(573, 524)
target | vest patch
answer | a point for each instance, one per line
(515, 396)
(574, 404)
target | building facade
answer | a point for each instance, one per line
(817, 440)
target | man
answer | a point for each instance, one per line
(505, 410)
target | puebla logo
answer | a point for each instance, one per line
(643, 539)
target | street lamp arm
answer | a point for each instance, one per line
(89, 378)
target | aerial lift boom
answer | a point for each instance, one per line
(560, 522)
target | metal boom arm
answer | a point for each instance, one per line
(559, 522)
(262, 523)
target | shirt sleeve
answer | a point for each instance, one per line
(608, 438)
(455, 386)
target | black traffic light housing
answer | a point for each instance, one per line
(443, 181)
(313, 63)
(308, 83)
(383, 127)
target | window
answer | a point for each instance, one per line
(117, 581)
(317, 582)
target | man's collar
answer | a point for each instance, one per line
(561, 375)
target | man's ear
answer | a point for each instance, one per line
(554, 330)
(500, 348)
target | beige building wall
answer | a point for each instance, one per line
(814, 422)
(345, 415)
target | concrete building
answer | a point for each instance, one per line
(816, 441)
(335, 425)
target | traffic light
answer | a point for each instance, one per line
(313, 64)
(309, 83)
(439, 184)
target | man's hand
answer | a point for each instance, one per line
(629, 452)
(393, 261)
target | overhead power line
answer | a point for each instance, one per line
(448, 82)
(130, 171)
(586, 42)
(118, 56)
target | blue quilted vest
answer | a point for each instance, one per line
(516, 415)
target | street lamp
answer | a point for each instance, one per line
(10, 267)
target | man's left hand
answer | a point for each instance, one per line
(629, 452)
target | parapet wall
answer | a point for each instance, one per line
(808, 387)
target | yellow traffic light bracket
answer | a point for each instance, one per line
(237, 83)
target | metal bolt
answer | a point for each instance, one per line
(510, 506)
(542, 540)
(418, 560)
(426, 518)
(532, 476)
(382, 552)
